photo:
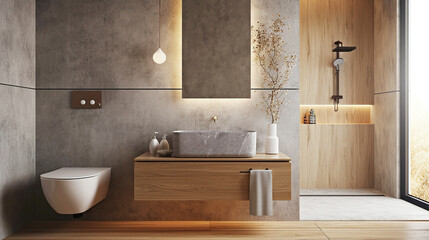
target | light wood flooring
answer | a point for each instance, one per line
(71, 230)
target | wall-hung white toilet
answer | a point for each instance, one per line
(75, 190)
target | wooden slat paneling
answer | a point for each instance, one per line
(322, 22)
(386, 108)
(205, 180)
(387, 144)
(337, 156)
(386, 45)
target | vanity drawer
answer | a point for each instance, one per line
(205, 180)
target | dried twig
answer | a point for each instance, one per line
(276, 65)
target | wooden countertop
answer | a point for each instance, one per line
(260, 157)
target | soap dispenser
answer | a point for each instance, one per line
(164, 143)
(154, 144)
(312, 117)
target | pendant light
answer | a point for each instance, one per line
(159, 56)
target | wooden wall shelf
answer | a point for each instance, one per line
(357, 114)
(339, 124)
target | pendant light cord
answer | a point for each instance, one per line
(159, 23)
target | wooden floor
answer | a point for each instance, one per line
(225, 230)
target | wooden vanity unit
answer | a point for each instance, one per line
(170, 178)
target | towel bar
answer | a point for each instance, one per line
(250, 169)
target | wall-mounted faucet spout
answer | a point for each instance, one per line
(337, 63)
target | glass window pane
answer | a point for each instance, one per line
(418, 99)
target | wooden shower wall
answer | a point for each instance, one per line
(338, 152)
(386, 100)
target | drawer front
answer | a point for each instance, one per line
(205, 180)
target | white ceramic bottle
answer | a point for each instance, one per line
(271, 140)
(164, 143)
(154, 144)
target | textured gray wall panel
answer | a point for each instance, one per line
(96, 43)
(17, 114)
(263, 11)
(17, 158)
(109, 44)
(17, 42)
(121, 130)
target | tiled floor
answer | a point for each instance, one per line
(341, 192)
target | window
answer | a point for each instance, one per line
(415, 101)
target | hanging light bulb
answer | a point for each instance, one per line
(159, 56)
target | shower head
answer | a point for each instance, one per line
(338, 62)
(341, 48)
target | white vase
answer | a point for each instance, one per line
(271, 140)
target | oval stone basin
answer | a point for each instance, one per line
(215, 144)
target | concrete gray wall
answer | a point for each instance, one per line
(108, 45)
(17, 114)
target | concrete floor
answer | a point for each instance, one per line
(349, 205)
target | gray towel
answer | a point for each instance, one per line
(261, 192)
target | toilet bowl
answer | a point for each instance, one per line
(75, 190)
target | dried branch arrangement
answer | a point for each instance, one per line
(276, 64)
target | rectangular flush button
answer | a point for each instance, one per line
(86, 99)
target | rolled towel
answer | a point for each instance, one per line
(261, 192)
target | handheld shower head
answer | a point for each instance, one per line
(338, 62)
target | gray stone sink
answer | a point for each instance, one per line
(217, 144)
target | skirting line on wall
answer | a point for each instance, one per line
(144, 89)
(393, 91)
(126, 89)
(12, 85)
